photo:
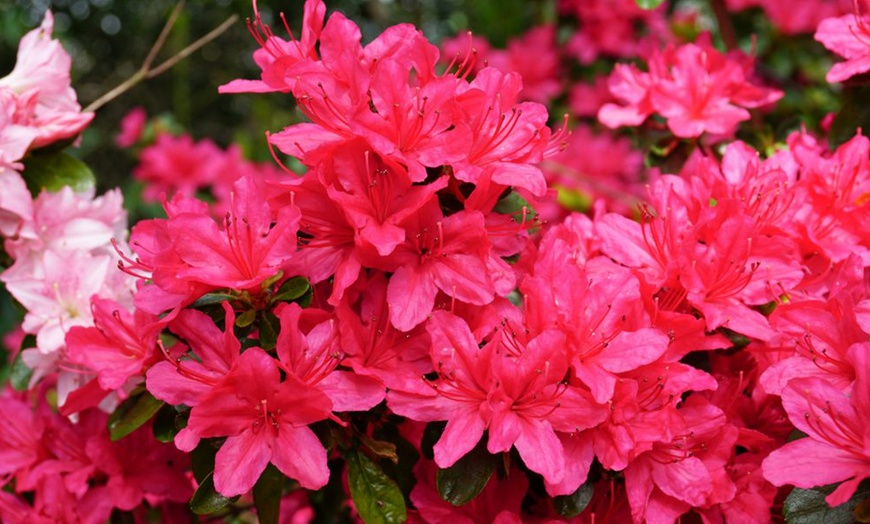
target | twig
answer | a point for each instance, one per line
(145, 71)
(723, 20)
(192, 48)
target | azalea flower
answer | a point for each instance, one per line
(265, 419)
(836, 448)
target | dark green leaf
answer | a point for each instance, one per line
(207, 500)
(54, 170)
(463, 481)
(291, 290)
(20, 375)
(131, 414)
(376, 497)
(569, 506)
(431, 434)
(213, 298)
(202, 459)
(808, 506)
(267, 495)
(121, 517)
(247, 318)
(269, 326)
(648, 4)
(164, 427)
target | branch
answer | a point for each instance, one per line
(723, 20)
(145, 71)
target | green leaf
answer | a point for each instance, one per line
(648, 4)
(207, 500)
(808, 506)
(569, 506)
(202, 459)
(247, 318)
(54, 170)
(213, 298)
(266, 284)
(20, 375)
(131, 414)
(291, 290)
(376, 496)
(267, 495)
(431, 434)
(463, 481)
(165, 427)
(513, 204)
(269, 327)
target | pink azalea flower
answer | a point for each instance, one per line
(836, 449)
(694, 86)
(308, 348)
(849, 37)
(511, 387)
(132, 127)
(41, 79)
(803, 16)
(277, 55)
(327, 242)
(16, 205)
(376, 194)
(446, 253)
(15, 138)
(189, 254)
(494, 132)
(265, 419)
(178, 165)
(58, 297)
(599, 312)
(118, 347)
(20, 436)
(611, 27)
(179, 380)
(374, 347)
(689, 470)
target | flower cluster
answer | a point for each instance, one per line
(398, 322)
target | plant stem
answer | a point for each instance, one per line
(146, 71)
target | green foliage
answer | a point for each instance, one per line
(808, 506)
(54, 170)
(132, 414)
(648, 4)
(267, 495)
(207, 500)
(376, 496)
(463, 481)
(569, 506)
(19, 373)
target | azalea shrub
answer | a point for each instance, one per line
(613, 271)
